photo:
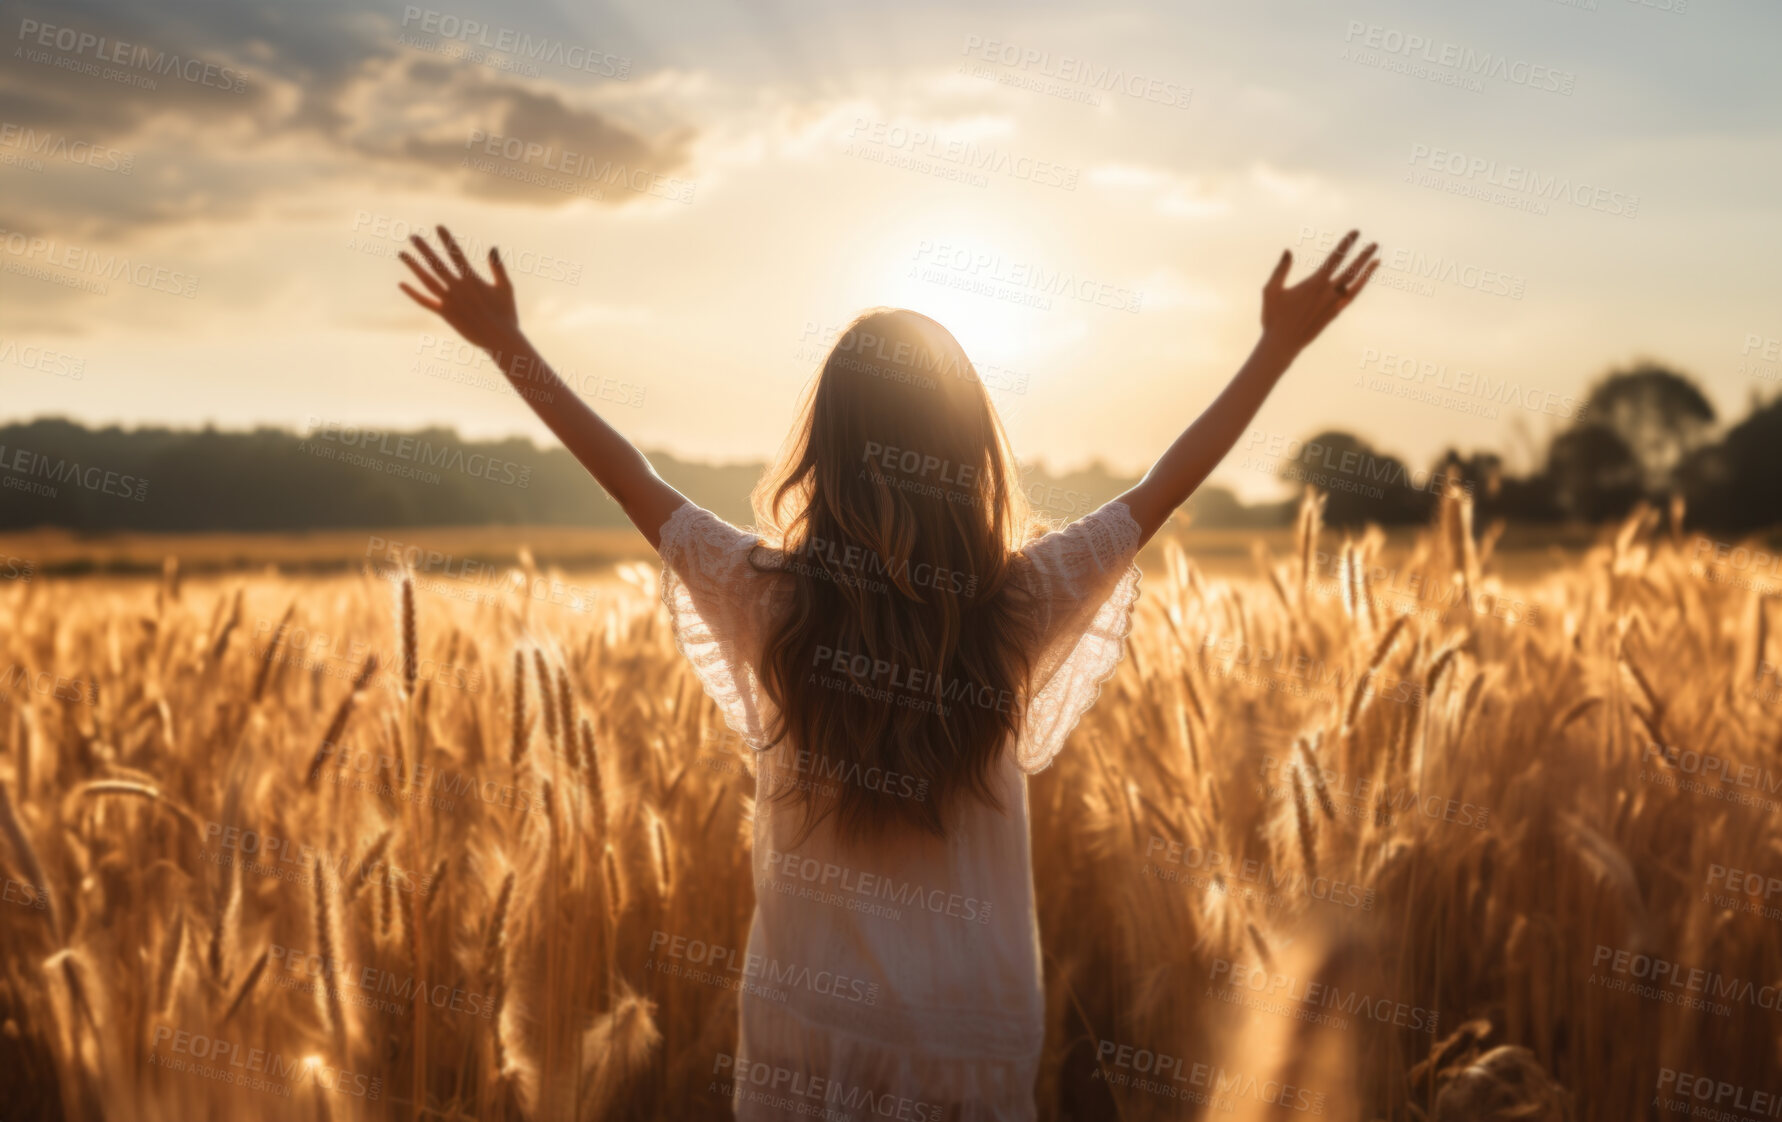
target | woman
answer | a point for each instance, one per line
(901, 652)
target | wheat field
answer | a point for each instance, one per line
(1346, 838)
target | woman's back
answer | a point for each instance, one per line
(900, 454)
(907, 966)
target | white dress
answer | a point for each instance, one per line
(904, 983)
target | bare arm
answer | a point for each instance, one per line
(486, 315)
(1291, 319)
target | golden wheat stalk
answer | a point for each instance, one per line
(26, 853)
(1303, 819)
(566, 714)
(333, 1015)
(548, 710)
(373, 854)
(1359, 698)
(1317, 777)
(407, 632)
(271, 653)
(221, 643)
(247, 986)
(172, 956)
(517, 748)
(342, 714)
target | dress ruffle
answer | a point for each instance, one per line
(1074, 568)
(707, 614)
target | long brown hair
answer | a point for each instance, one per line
(901, 667)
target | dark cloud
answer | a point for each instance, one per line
(329, 94)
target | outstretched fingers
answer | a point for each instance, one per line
(497, 268)
(1278, 278)
(430, 305)
(458, 258)
(432, 283)
(1336, 255)
(445, 273)
(1355, 267)
(1351, 291)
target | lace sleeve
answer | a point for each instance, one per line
(1085, 584)
(716, 604)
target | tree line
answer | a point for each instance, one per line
(1645, 433)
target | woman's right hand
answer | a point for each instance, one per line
(1293, 317)
(481, 311)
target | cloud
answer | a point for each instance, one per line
(223, 106)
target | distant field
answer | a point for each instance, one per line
(1525, 551)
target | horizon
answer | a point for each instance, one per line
(1089, 201)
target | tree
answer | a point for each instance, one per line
(1594, 474)
(1659, 415)
(1362, 484)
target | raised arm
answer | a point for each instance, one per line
(1291, 318)
(486, 315)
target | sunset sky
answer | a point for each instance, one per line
(700, 194)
